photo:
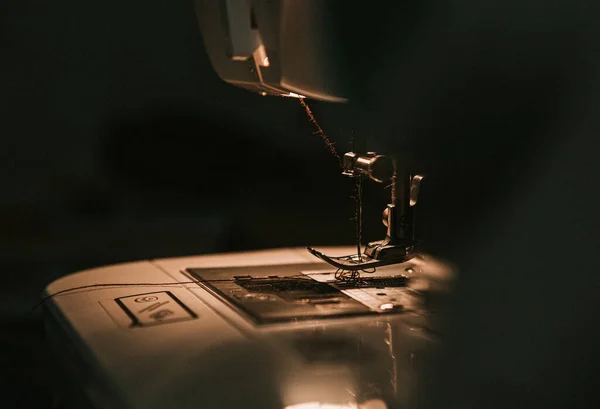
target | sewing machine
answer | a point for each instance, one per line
(286, 328)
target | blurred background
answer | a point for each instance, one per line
(120, 143)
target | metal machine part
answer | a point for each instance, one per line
(281, 47)
(398, 217)
(292, 293)
(376, 167)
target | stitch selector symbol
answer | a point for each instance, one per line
(147, 298)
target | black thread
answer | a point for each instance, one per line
(320, 131)
(359, 217)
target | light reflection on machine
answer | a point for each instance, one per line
(381, 369)
(372, 404)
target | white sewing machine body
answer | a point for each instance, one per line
(264, 329)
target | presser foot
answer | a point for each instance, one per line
(385, 250)
(377, 254)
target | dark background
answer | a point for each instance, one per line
(119, 143)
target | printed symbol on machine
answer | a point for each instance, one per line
(152, 307)
(161, 314)
(147, 298)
